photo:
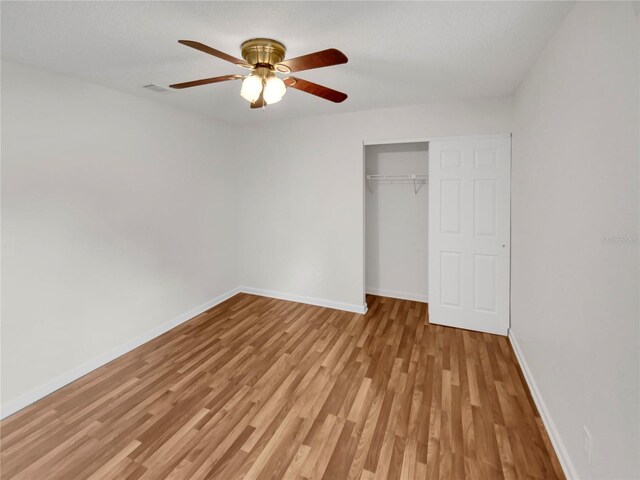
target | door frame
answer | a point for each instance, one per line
(363, 173)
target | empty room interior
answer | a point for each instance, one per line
(320, 240)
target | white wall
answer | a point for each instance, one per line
(575, 185)
(118, 215)
(301, 210)
(396, 221)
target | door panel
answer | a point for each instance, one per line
(484, 207)
(451, 205)
(451, 279)
(484, 283)
(469, 233)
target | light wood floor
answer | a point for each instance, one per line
(263, 388)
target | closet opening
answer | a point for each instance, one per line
(396, 208)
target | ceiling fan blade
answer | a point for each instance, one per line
(315, 89)
(259, 103)
(206, 81)
(216, 53)
(324, 58)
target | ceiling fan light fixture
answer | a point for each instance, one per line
(274, 90)
(266, 58)
(251, 88)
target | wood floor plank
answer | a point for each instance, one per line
(264, 388)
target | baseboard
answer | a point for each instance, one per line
(396, 294)
(558, 445)
(37, 393)
(347, 307)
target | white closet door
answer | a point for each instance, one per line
(469, 233)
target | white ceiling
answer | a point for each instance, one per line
(400, 53)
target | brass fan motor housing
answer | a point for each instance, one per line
(263, 51)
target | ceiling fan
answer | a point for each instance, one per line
(265, 57)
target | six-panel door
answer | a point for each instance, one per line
(469, 233)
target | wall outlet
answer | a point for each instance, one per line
(587, 443)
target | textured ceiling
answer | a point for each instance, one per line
(400, 53)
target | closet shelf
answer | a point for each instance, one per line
(417, 179)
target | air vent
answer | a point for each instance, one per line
(156, 88)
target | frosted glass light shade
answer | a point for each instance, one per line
(251, 88)
(274, 90)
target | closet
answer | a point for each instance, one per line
(396, 220)
(437, 227)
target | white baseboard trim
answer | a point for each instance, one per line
(396, 294)
(558, 445)
(37, 393)
(347, 307)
